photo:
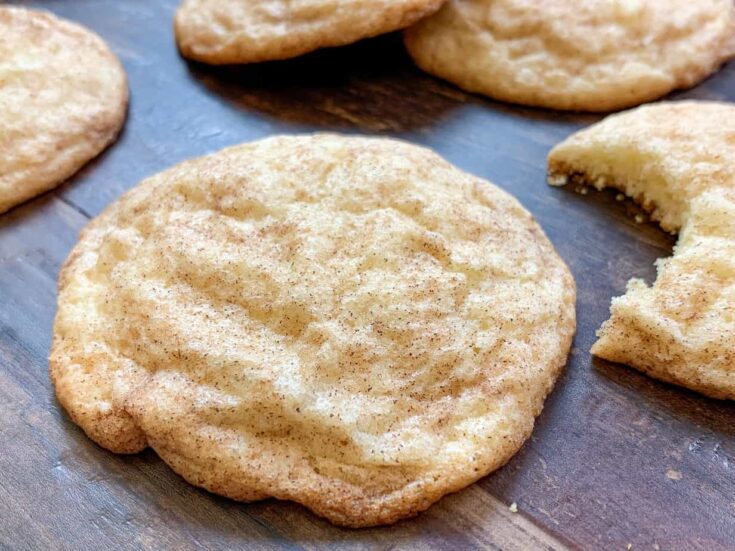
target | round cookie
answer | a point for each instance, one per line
(596, 55)
(242, 31)
(63, 97)
(349, 323)
(677, 160)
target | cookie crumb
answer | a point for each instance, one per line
(672, 474)
(557, 180)
(620, 197)
(639, 218)
(513, 507)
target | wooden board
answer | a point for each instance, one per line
(616, 458)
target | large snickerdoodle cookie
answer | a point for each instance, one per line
(349, 323)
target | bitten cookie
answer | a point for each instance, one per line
(242, 31)
(677, 160)
(63, 97)
(596, 55)
(349, 323)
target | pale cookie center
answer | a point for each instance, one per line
(355, 323)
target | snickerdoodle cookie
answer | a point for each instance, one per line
(596, 55)
(63, 97)
(678, 160)
(244, 31)
(349, 323)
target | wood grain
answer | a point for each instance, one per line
(616, 458)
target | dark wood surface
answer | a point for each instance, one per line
(616, 458)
